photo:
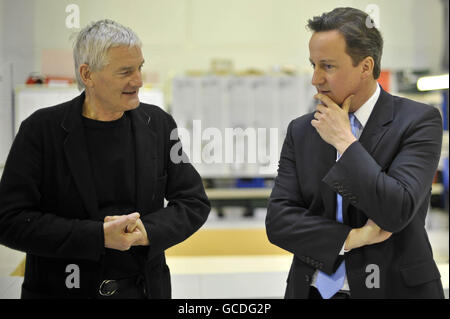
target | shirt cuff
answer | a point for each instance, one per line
(343, 251)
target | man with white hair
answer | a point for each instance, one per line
(83, 188)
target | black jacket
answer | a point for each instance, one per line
(385, 176)
(48, 207)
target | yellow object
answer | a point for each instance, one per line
(20, 270)
(234, 242)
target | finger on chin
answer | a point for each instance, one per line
(347, 103)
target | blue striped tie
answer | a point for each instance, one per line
(328, 286)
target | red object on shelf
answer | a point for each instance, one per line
(34, 78)
(58, 80)
(385, 80)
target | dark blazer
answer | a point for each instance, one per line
(48, 206)
(385, 176)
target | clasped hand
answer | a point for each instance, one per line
(122, 232)
(369, 234)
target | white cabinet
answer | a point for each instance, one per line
(28, 99)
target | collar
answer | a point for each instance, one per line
(363, 113)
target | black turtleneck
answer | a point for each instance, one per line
(110, 147)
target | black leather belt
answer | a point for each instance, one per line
(341, 294)
(110, 287)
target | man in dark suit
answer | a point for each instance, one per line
(83, 189)
(354, 178)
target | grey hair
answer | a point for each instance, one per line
(93, 42)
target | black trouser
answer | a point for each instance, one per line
(315, 294)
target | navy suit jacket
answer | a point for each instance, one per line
(385, 176)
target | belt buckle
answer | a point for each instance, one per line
(103, 285)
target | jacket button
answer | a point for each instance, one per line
(306, 278)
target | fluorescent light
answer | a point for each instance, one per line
(437, 82)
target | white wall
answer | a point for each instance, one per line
(17, 60)
(1, 31)
(5, 121)
(186, 34)
(428, 46)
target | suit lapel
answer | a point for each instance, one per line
(377, 125)
(77, 158)
(145, 155)
(327, 158)
(79, 164)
